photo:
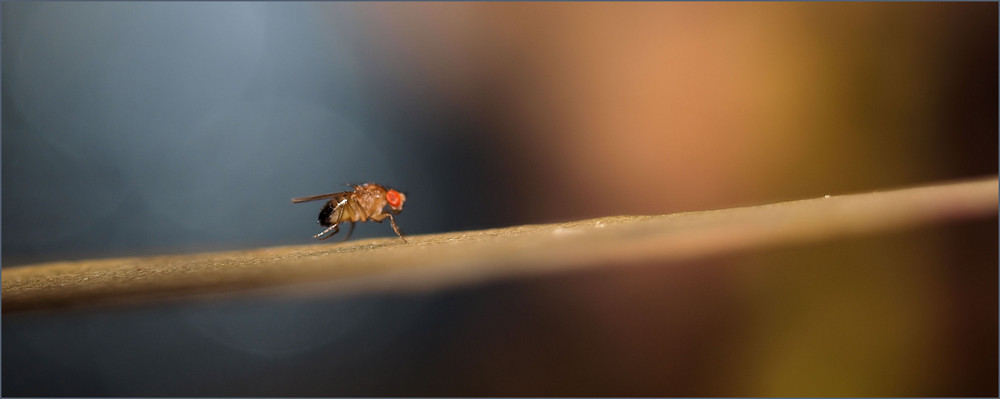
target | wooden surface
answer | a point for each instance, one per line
(442, 260)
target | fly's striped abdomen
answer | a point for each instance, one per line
(327, 212)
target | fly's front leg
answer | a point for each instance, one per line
(394, 227)
(380, 217)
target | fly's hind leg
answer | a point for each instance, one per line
(334, 228)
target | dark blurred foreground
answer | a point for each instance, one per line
(887, 315)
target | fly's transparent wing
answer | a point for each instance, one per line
(337, 196)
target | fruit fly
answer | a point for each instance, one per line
(365, 202)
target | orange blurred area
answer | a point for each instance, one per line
(648, 108)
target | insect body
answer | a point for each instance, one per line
(366, 202)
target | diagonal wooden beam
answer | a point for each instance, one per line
(442, 260)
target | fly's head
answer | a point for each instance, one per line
(395, 200)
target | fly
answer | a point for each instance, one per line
(365, 202)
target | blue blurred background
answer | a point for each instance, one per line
(134, 128)
(158, 128)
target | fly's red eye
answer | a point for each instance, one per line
(393, 197)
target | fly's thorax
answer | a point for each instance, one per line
(370, 198)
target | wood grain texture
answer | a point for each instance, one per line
(437, 261)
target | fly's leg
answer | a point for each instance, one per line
(394, 227)
(334, 228)
(349, 232)
(355, 210)
(381, 217)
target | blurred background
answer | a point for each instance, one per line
(158, 128)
